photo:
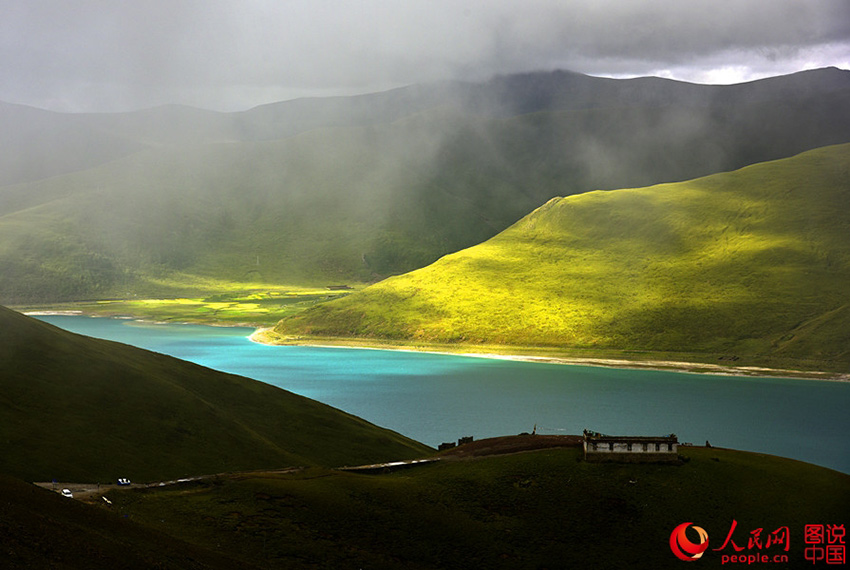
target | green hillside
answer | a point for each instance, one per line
(753, 263)
(367, 187)
(79, 409)
(542, 509)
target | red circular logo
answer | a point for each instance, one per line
(683, 548)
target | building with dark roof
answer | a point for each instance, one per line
(630, 449)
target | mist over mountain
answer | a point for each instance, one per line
(359, 188)
(63, 142)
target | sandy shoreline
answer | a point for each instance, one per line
(660, 365)
(54, 314)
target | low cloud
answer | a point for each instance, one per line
(102, 55)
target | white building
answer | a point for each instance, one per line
(630, 449)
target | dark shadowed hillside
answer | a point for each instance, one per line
(74, 408)
(41, 529)
(539, 509)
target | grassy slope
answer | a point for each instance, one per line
(353, 203)
(753, 262)
(79, 409)
(534, 510)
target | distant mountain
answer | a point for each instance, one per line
(353, 189)
(39, 144)
(74, 408)
(753, 264)
(523, 93)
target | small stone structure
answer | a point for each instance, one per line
(451, 445)
(630, 449)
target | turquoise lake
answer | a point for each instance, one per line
(435, 398)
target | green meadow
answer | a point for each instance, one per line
(248, 304)
(749, 266)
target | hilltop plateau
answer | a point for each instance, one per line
(545, 508)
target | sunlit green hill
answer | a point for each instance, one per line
(351, 190)
(74, 408)
(753, 263)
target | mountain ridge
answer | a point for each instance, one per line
(505, 95)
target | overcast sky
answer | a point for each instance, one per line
(112, 55)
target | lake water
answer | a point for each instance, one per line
(434, 398)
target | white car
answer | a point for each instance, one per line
(122, 481)
(67, 493)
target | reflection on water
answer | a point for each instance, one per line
(434, 398)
